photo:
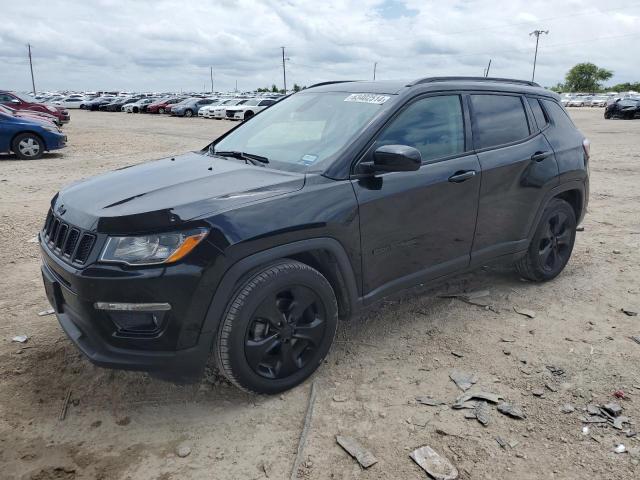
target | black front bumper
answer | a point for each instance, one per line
(177, 352)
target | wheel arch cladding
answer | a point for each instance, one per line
(324, 254)
(574, 198)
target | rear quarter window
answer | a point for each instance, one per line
(498, 120)
(538, 113)
(558, 115)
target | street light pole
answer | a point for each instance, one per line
(33, 83)
(284, 72)
(537, 33)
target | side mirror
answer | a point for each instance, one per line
(396, 158)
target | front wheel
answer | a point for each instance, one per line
(28, 146)
(278, 328)
(188, 113)
(161, 110)
(552, 243)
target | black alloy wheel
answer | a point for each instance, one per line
(552, 243)
(278, 328)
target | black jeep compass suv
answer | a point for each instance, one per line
(333, 198)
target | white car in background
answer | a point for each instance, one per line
(248, 109)
(207, 110)
(221, 110)
(135, 107)
(599, 101)
(72, 101)
(579, 102)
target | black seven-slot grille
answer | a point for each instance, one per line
(67, 241)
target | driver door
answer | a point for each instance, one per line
(416, 226)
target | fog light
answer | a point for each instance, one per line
(135, 322)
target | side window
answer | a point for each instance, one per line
(541, 118)
(498, 119)
(558, 114)
(5, 98)
(433, 125)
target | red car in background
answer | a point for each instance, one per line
(161, 105)
(30, 115)
(24, 102)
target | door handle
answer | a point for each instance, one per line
(539, 156)
(461, 176)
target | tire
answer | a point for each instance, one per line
(188, 113)
(552, 243)
(161, 110)
(248, 115)
(607, 115)
(28, 146)
(261, 346)
(135, 109)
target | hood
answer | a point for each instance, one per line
(26, 117)
(165, 193)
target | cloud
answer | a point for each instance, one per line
(156, 45)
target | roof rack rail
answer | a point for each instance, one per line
(330, 83)
(475, 79)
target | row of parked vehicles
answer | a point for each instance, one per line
(223, 106)
(624, 105)
(29, 128)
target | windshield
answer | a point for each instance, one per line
(24, 98)
(304, 129)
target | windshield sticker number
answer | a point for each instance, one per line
(367, 98)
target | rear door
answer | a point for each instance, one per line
(518, 168)
(419, 225)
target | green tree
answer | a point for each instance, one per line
(586, 77)
(558, 88)
(296, 87)
(625, 87)
(274, 89)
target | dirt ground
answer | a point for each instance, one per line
(128, 426)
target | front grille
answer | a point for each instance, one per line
(67, 241)
(230, 113)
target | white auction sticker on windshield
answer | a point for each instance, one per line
(367, 98)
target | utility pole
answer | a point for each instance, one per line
(375, 65)
(486, 72)
(211, 72)
(284, 71)
(33, 83)
(537, 33)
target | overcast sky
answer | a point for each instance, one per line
(161, 45)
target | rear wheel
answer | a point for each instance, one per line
(188, 113)
(248, 115)
(278, 328)
(28, 146)
(552, 243)
(161, 110)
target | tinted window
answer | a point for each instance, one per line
(538, 114)
(433, 125)
(498, 119)
(558, 114)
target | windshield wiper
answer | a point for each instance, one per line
(247, 157)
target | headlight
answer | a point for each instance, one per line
(151, 249)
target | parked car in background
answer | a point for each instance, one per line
(625, 108)
(117, 104)
(136, 106)
(30, 115)
(599, 101)
(161, 105)
(578, 101)
(205, 112)
(94, 104)
(248, 109)
(25, 102)
(220, 111)
(71, 102)
(28, 139)
(191, 107)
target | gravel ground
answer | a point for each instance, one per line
(123, 425)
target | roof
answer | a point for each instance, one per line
(393, 87)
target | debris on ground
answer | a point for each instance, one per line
(507, 339)
(482, 412)
(511, 411)
(183, 450)
(579, 229)
(65, 406)
(537, 392)
(616, 251)
(551, 388)
(43, 313)
(457, 354)
(463, 380)
(502, 442)
(630, 313)
(305, 431)
(20, 339)
(557, 371)
(525, 312)
(585, 430)
(620, 394)
(33, 239)
(429, 401)
(620, 448)
(567, 408)
(487, 396)
(340, 398)
(435, 465)
(357, 451)
(636, 338)
(612, 408)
